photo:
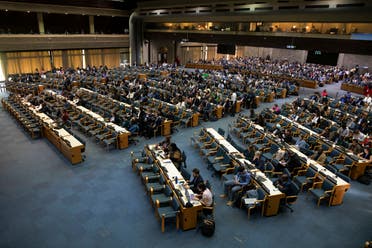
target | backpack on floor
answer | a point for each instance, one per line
(365, 179)
(208, 226)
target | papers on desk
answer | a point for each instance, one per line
(250, 201)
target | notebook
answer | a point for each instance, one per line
(249, 201)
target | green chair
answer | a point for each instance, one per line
(150, 176)
(256, 203)
(155, 187)
(169, 212)
(305, 177)
(323, 193)
(163, 197)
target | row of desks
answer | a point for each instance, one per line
(360, 163)
(274, 195)
(66, 143)
(166, 128)
(303, 82)
(194, 116)
(188, 216)
(340, 187)
(123, 134)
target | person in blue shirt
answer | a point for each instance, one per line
(231, 187)
(301, 143)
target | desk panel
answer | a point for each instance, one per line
(188, 216)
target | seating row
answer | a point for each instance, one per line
(323, 182)
(106, 106)
(69, 145)
(164, 185)
(225, 159)
(24, 116)
(340, 158)
(92, 124)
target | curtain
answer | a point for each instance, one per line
(93, 57)
(191, 54)
(212, 52)
(98, 57)
(57, 59)
(3, 73)
(111, 57)
(27, 62)
(74, 59)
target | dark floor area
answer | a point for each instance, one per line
(46, 202)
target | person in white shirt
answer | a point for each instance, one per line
(233, 98)
(112, 118)
(358, 136)
(206, 197)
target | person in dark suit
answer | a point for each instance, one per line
(196, 180)
(284, 184)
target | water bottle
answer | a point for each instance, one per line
(176, 180)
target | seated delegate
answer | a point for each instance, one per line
(231, 187)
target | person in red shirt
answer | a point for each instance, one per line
(65, 117)
(324, 96)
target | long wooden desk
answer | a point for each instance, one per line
(274, 195)
(223, 142)
(188, 216)
(340, 187)
(352, 88)
(123, 134)
(66, 143)
(204, 66)
(360, 164)
(70, 147)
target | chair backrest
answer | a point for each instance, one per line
(185, 173)
(226, 159)
(155, 169)
(294, 189)
(348, 161)
(168, 191)
(175, 204)
(330, 168)
(343, 177)
(327, 185)
(221, 131)
(240, 148)
(184, 157)
(287, 172)
(334, 153)
(274, 148)
(162, 179)
(269, 166)
(260, 194)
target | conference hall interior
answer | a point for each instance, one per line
(155, 123)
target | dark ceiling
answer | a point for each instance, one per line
(110, 4)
